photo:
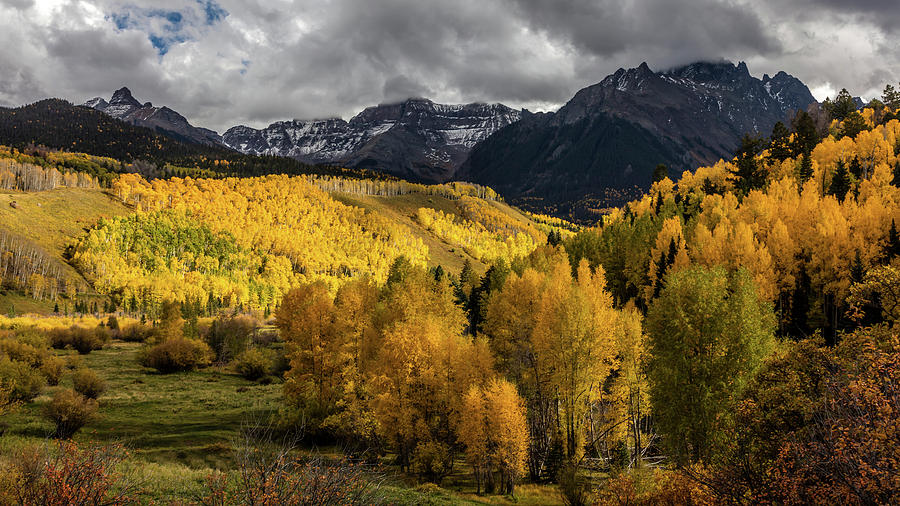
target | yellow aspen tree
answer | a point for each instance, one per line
(472, 434)
(306, 319)
(507, 432)
(575, 332)
(630, 390)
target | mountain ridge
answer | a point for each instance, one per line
(123, 106)
(416, 139)
(611, 135)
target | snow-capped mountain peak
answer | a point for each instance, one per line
(416, 139)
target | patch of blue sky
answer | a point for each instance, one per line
(214, 12)
(165, 28)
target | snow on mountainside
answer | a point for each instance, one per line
(416, 139)
(125, 107)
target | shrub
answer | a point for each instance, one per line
(22, 352)
(269, 474)
(74, 362)
(6, 405)
(254, 364)
(135, 333)
(88, 383)
(68, 474)
(34, 337)
(21, 380)
(81, 339)
(646, 487)
(52, 368)
(70, 411)
(230, 336)
(280, 362)
(177, 355)
(432, 461)
(112, 323)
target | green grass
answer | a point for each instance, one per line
(17, 303)
(188, 418)
(180, 427)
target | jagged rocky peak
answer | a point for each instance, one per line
(97, 103)
(123, 96)
(788, 90)
(123, 106)
(613, 134)
(628, 79)
(704, 72)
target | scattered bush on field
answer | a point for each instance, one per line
(81, 339)
(67, 474)
(20, 380)
(269, 474)
(88, 383)
(652, 487)
(432, 461)
(135, 333)
(21, 351)
(254, 363)
(70, 411)
(177, 355)
(229, 336)
(52, 368)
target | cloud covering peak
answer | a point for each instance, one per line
(227, 62)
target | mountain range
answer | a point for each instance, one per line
(416, 139)
(610, 136)
(601, 145)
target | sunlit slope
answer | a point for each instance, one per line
(404, 209)
(246, 241)
(48, 221)
(52, 218)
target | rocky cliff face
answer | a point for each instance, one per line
(123, 106)
(610, 136)
(416, 139)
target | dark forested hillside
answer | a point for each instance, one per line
(58, 124)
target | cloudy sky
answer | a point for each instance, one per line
(227, 62)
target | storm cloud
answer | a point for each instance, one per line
(227, 62)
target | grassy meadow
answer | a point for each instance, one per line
(180, 427)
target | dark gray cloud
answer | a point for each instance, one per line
(223, 62)
(400, 87)
(674, 28)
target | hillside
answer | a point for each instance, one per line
(48, 222)
(285, 223)
(59, 125)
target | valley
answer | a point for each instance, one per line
(679, 287)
